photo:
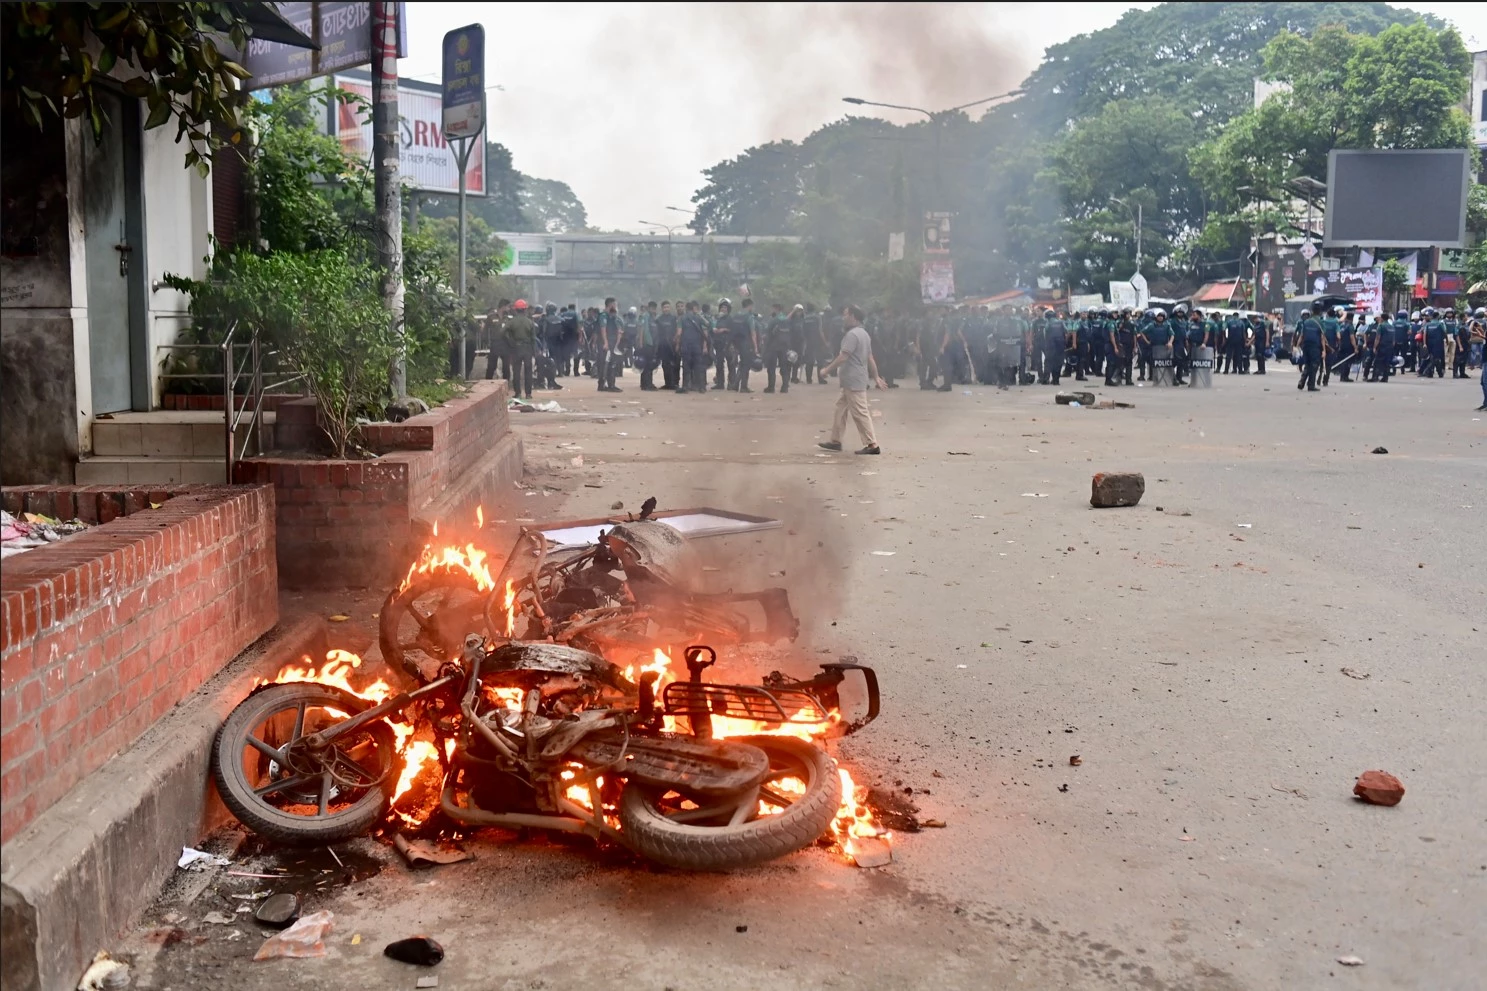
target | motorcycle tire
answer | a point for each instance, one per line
(270, 821)
(398, 607)
(649, 832)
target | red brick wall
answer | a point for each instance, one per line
(105, 631)
(89, 503)
(356, 523)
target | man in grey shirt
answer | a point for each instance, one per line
(858, 369)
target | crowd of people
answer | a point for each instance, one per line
(687, 341)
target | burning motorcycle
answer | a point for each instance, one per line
(688, 773)
(617, 597)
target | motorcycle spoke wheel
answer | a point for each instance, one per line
(280, 787)
(425, 624)
(793, 806)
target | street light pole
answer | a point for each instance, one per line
(1140, 225)
(937, 119)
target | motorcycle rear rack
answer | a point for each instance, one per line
(687, 698)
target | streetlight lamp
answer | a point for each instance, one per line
(668, 228)
(1139, 225)
(937, 119)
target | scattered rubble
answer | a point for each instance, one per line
(1082, 398)
(1351, 960)
(422, 853)
(418, 950)
(871, 851)
(279, 911)
(193, 859)
(1117, 488)
(1075, 760)
(1379, 788)
(21, 534)
(1380, 450)
(104, 974)
(306, 938)
(1356, 675)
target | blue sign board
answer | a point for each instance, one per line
(464, 81)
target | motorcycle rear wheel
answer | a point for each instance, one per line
(802, 791)
(289, 794)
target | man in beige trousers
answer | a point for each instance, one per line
(858, 369)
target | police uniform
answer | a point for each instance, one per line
(777, 351)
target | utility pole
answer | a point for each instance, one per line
(385, 171)
(1139, 226)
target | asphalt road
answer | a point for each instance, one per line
(1191, 650)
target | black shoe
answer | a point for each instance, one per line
(744, 388)
(945, 388)
(1300, 385)
(553, 386)
(875, 449)
(717, 385)
(681, 392)
(829, 445)
(784, 392)
(1312, 388)
(769, 388)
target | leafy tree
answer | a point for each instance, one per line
(1400, 89)
(501, 206)
(167, 54)
(1125, 112)
(551, 206)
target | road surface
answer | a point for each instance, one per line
(1282, 611)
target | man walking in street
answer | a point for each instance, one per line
(857, 369)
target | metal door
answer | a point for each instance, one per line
(115, 258)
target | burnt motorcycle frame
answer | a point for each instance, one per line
(697, 701)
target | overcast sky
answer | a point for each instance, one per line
(629, 102)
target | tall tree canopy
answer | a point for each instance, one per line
(1048, 184)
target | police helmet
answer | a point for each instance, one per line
(552, 307)
(1415, 315)
(758, 364)
(1480, 311)
(791, 357)
(1160, 314)
(1401, 315)
(1339, 310)
(725, 301)
(520, 304)
(631, 311)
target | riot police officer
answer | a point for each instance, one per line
(777, 349)
(1433, 362)
(666, 351)
(1311, 335)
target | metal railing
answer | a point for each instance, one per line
(248, 373)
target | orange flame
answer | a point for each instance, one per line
(510, 607)
(479, 518)
(336, 671)
(469, 559)
(854, 820)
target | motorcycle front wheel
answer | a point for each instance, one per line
(285, 791)
(790, 810)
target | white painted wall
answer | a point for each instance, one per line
(178, 219)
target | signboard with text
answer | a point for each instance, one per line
(343, 30)
(936, 232)
(464, 81)
(529, 254)
(937, 281)
(1365, 286)
(426, 158)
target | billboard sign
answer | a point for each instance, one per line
(936, 232)
(343, 31)
(1122, 295)
(1365, 286)
(529, 254)
(464, 81)
(426, 158)
(1397, 198)
(1282, 276)
(937, 281)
